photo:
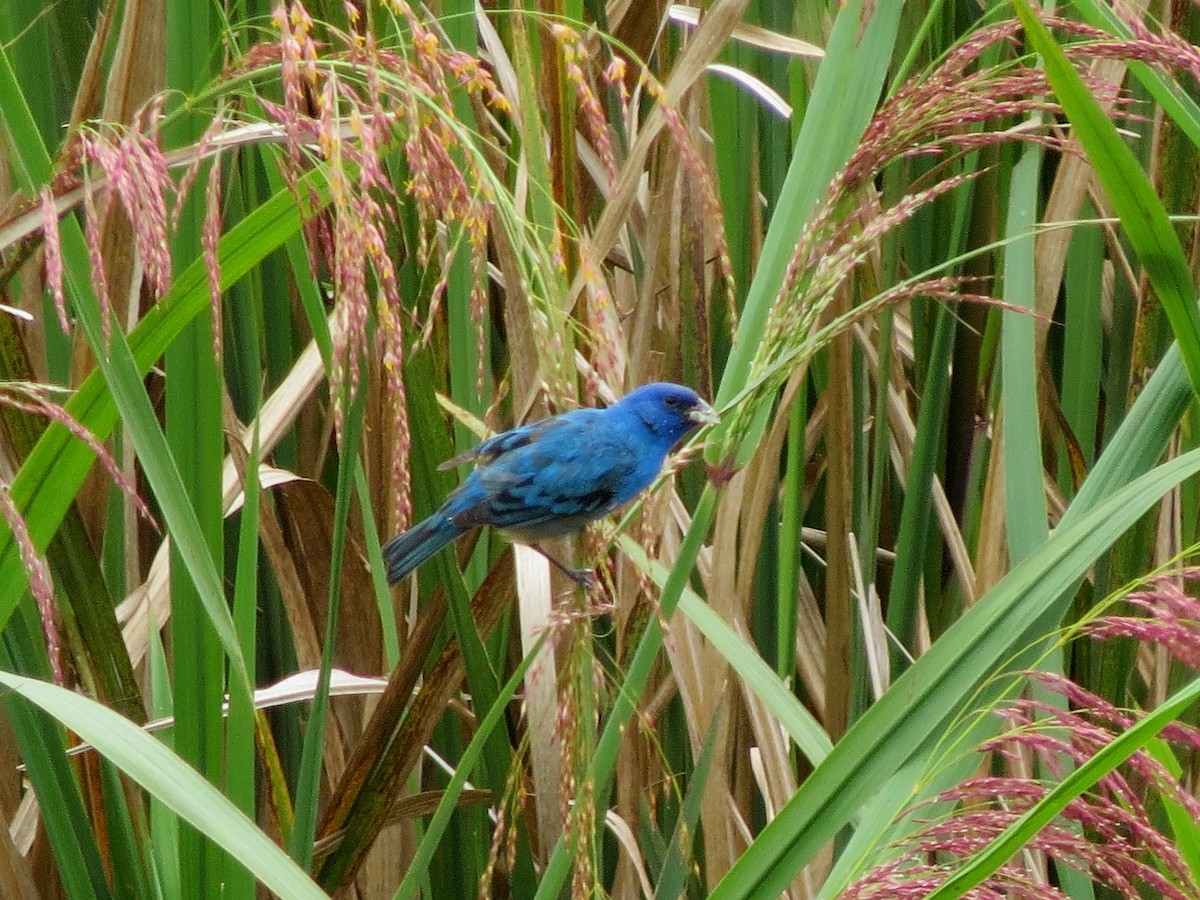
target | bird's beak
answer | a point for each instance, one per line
(702, 414)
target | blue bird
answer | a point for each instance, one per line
(552, 477)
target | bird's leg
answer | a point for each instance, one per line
(585, 578)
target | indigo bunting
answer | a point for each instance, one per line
(552, 477)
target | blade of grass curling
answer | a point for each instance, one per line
(913, 712)
(148, 762)
(1128, 189)
(77, 857)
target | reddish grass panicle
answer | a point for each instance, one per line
(1111, 832)
(957, 106)
(35, 399)
(347, 103)
(132, 169)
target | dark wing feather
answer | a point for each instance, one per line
(525, 506)
(488, 450)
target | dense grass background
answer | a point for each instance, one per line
(933, 263)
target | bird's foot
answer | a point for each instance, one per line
(585, 578)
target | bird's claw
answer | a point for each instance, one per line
(585, 578)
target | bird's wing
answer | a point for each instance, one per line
(501, 443)
(559, 478)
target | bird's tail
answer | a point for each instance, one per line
(404, 553)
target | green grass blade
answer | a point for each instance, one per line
(791, 521)
(1024, 493)
(378, 570)
(791, 714)
(1175, 100)
(164, 823)
(679, 853)
(844, 97)
(49, 479)
(193, 429)
(919, 704)
(311, 763)
(1129, 190)
(148, 762)
(138, 415)
(1081, 336)
(130, 873)
(240, 779)
(1186, 829)
(27, 154)
(64, 814)
(466, 765)
(915, 516)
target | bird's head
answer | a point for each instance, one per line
(669, 411)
